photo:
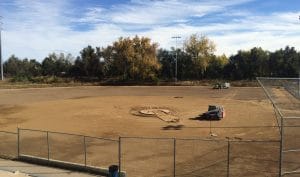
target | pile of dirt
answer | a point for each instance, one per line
(163, 113)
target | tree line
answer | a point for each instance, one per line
(140, 59)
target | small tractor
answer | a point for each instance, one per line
(225, 85)
(214, 112)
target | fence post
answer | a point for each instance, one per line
(119, 154)
(48, 149)
(84, 143)
(228, 157)
(281, 146)
(18, 143)
(174, 160)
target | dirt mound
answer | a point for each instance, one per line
(163, 113)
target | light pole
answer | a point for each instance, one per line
(1, 63)
(176, 38)
(299, 85)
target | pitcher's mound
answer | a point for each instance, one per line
(163, 113)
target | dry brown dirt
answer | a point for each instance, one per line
(106, 112)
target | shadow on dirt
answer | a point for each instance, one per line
(203, 118)
(173, 127)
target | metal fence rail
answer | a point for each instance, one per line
(284, 94)
(68, 147)
(144, 157)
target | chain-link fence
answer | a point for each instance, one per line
(291, 147)
(284, 94)
(71, 148)
(33, 143)
(149, 157)
(8, 144)
(202, 157)
(254, 158)
(101, 152)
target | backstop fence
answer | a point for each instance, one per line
(284, 94)
(148, 157)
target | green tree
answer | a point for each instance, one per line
(201, 50)
(48, 65)
(167, 61)
(285, 62)
(259, 63)
(216, 66)
(63, 64)
(31, 68)
(248, 64)
(238, 66)
(15, 67)
(132, 59)
(12, 66)
(56, 64)
(91, 62)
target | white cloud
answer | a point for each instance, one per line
(93, 15)
(149, 12)
(40, 27)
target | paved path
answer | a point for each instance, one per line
(39, 171)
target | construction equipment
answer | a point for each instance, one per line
(214, 112)
(220, 85)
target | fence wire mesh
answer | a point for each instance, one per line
(254, 159)
(196, 157)
(159, 157)
(291, 146)
(101, 152)
(33, 143)
(79, 149)
(64, 147)
(284, 93)
(8, 145)
(146, 157)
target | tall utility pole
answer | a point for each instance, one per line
(1, 62)
(176, 38)
(299, 85)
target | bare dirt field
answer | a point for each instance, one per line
(107, 112)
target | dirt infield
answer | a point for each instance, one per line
(106, 112)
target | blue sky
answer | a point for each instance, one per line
(35, 28)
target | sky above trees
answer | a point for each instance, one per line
(35, 28)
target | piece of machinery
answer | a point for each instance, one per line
(214, 112)
(225, 85)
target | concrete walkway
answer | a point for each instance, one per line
(39, 171)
